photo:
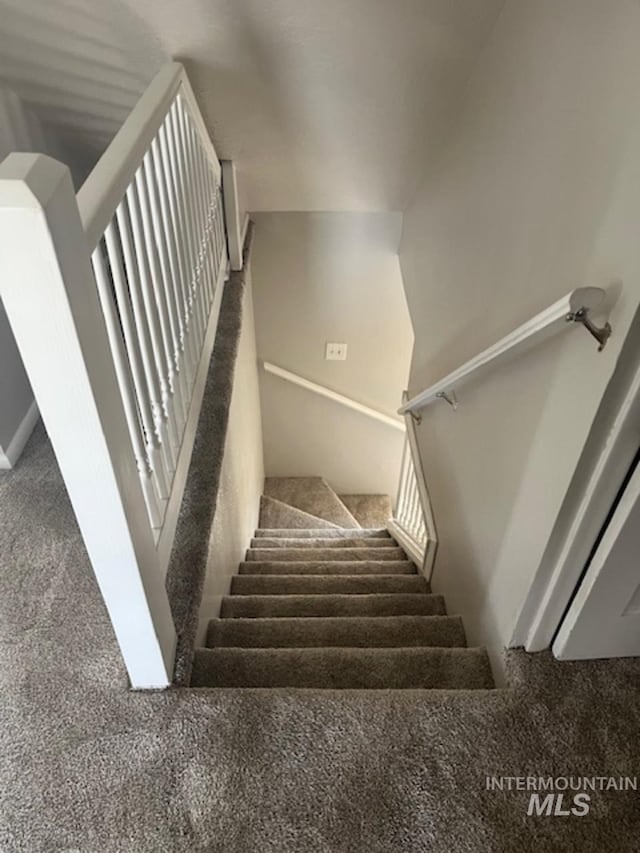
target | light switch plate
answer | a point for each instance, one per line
(336, 352)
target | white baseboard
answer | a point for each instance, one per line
(245, 228)
(10, 456)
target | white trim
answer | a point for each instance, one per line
(333, 395)
(408, 544)
(245, 228)
(544, 324)
(431, 547)
(10, 456)
(581, 520)
(103, 190)
(66, 353)
(232, 213)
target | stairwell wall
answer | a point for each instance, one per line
(537, 192)
(241, 477)
(323, 277)
(20, 130)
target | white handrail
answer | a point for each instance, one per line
(100, 194)
(333, 395)
(571, 309)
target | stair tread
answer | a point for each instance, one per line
(369, 510)
(343, 668)
(279, 515)
(297, 543)
(312, 495)
(329, 631)
(381, 604)
(263, 584)
(264, 555)
(324, 532)
(327, 567)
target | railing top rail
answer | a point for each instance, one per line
(570, 309)
(101, 193)
(334, 395)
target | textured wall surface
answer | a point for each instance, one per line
(331, 277)
(324, 106)
(242, 474)
(537, 193)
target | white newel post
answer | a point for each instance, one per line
(49, 292)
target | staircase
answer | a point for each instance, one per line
(323, 602)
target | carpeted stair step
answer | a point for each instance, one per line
(319, 542)
(276, 606)
(324, 533)
(327, 567)
(312, 495)
(343, 668)
(369, 510)
(296, 555)
(275, 514)
(328, 631)
(254, 585)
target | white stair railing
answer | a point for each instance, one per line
(113, 297)
(413, 524)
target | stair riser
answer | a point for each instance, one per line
(275, 606)
(275, 514)
(312, 495)
(348, 631)
(385, 567)
(327, 584)
(297, 543)
(341, 668)
(264, 555)
(326, 533)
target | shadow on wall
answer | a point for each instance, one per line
(331, 277)
(307, 435)
(81, 67)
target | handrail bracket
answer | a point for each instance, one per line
(449, 397)
(600, 333)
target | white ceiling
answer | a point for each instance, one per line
(324, 104)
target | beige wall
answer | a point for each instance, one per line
(241, 478)
(322, 277)
(537, 192)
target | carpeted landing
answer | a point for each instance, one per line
(335, 608)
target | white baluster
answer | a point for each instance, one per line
(170, 170)
(218, 223)
(154, 244)
(143, 333)
(198, 211)
(123, 372)
(193, 224)
(150, 308)
(164, 232)
(413, 500)
(192, 254)
(205, 204)
(401, 502)
(212, 233)
(115, 250)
